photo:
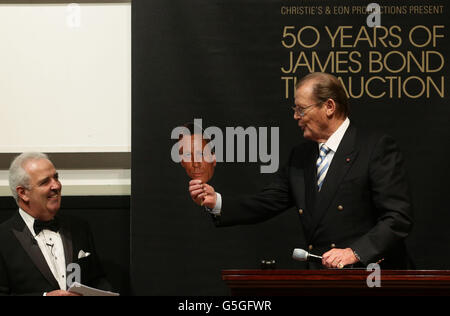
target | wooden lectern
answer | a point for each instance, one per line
(336, 282)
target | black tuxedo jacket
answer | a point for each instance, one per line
(364, 202)
(23, 269)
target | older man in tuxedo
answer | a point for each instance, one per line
(347, 184)
(37, 244)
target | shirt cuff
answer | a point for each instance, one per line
(356, 255)
(218, 207)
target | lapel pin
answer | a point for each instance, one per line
(347, 159)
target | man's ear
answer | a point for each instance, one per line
(330, 107)
(23, 194)
(214, 158)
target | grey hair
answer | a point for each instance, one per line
(17, 174)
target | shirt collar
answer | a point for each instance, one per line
(28, 219)
(335, 139)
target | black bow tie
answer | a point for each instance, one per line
(41, 225)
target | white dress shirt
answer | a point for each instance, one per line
(332, 143)
(52, 248)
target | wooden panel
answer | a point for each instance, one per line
(336, 282)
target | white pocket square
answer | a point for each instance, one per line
(83, 254)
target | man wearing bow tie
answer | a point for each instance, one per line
(37, 244)
(348, 185)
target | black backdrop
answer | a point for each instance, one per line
(221, 61)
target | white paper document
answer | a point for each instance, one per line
(89, 291)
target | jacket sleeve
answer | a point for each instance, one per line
(4, 284)
(271, 201)
(391, 199)
(5, 288)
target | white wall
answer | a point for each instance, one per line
(65, 79)
(65, 86)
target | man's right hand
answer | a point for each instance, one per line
(202, 193)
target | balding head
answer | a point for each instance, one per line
(326, 86)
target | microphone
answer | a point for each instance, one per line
(302, 255)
